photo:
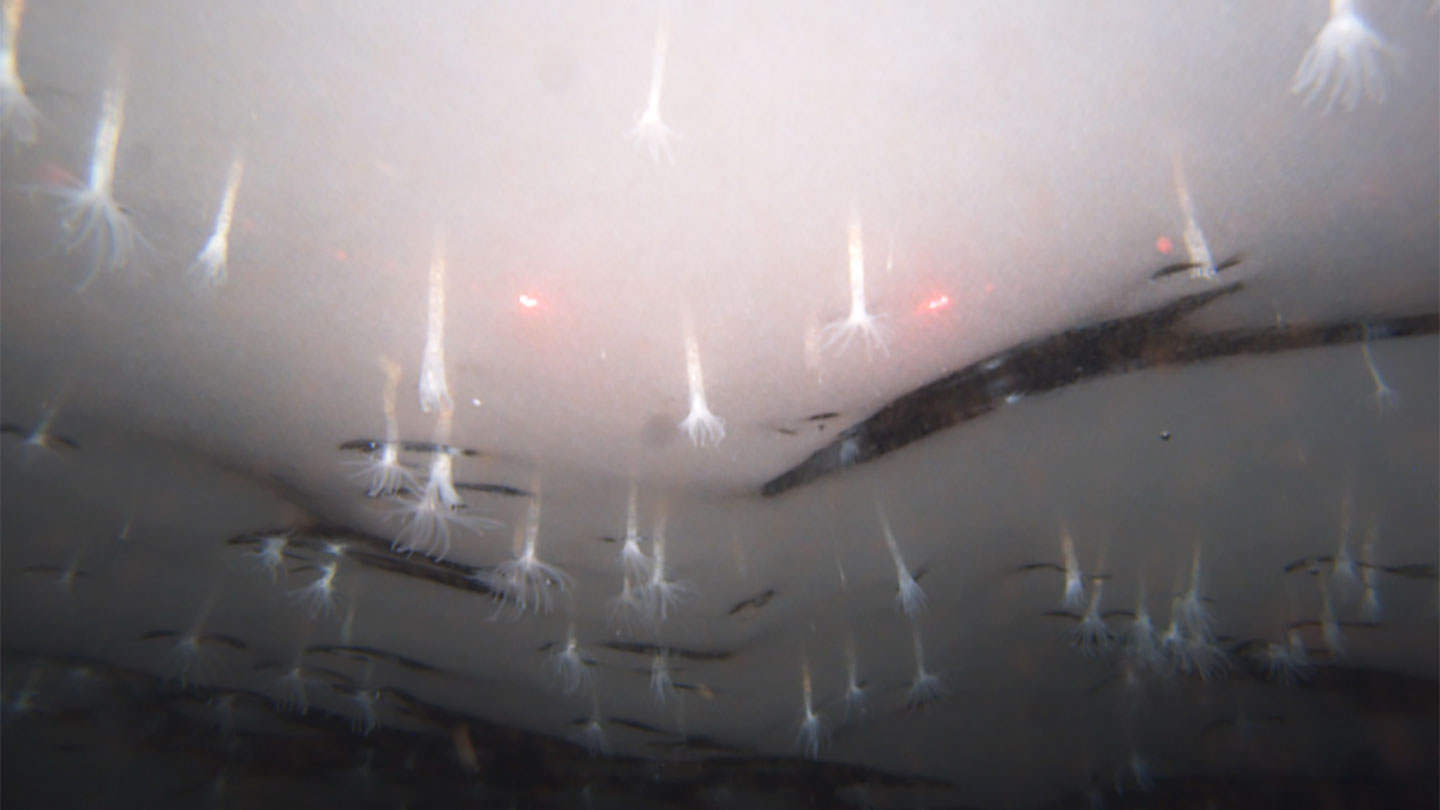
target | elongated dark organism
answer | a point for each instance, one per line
(1411, 571)
(448, 574)
(820, 417)
(363, 653)
(1313, 564)
(1318, 623)
(405, 702)
(204, 638)
(698, 688)
(642, 648)
(1036, 566)
(635, 725)
(494, 489)
(1310, 564)
(1116, 346)
(258, 537)
(1241, 721)
(62, 572)
(40, 436)
(373, 552)
(330, 677)
(754, 603)
(208, 696)
(411, 446)
(1034, 367)
(1172, 269)
(433, 448)
(700, 744)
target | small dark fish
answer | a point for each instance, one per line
(1311, 565)
(822, 416)
(432, 447)
(208, 638)
(698, 688)
(61, 573)
(361, 653)
(256, 538)
(754, 603)
(375, 445)
(220, 638)
(1172, 269)
(40, 436)
(698, 744)
(332, 678)
(642, 648)
(1242, 722)
(494, 489)
(1412, 571)
(1041, 566)
(636, 725)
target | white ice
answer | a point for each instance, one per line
(1288, 663)
(88, 211)
(660, 596)
(591, 735)
(270, 556)
(650, 130)
(1197, 249)
(188, 662)
(383, 471)
(1384, 398)
(1141, 644)
(634, 564)
(661, 687)
(210, 265)
(927, 687)
(319, 596)
(860, 322)
(1091, 636)
(1196, 620)
(856, 702)
(1344, 62)
(812, 735)
(525, 582)
(909, 596)
(429, 523)
(18, 117)
(703, 427)
(568, 666)
(1074, 579)
(289, 693)
(434, 387)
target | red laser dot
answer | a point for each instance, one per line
(529, 301)
(1164, 245)
(937, 304)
